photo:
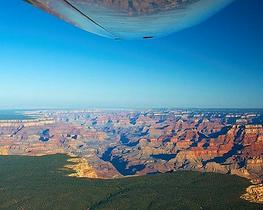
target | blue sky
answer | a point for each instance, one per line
(46, 63)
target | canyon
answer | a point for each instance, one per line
(110, 144)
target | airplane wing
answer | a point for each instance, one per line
(132, 19)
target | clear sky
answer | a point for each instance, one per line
(46, 63)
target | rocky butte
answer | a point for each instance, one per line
(113, 144)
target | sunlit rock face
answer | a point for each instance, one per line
(132, 19)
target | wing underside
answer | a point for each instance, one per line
(131, 19)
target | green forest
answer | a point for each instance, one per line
(35, 183)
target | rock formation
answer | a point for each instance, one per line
(113, 144)
(254, 193)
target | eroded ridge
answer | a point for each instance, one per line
(254, 194)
